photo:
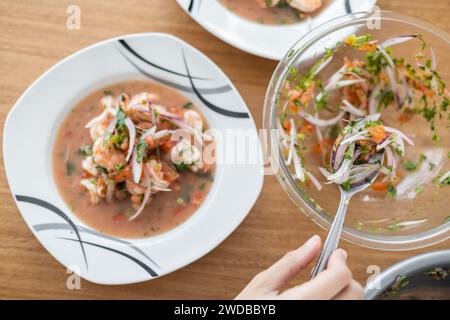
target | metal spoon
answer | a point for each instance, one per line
(334, 234)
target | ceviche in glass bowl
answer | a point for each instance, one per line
(358, 85)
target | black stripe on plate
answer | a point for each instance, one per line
(140, 263)
(348, 7)
(191, 6)
(216, 90)
(59, 212)
(137, 55)
(213, 107)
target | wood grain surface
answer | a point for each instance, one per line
(33, 37)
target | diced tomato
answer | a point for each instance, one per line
(176, 111)
(380, 186)
(86, 175)
(294, 108)
(317, 148)
(119, 217)
(287, 124)
(369, 46)
(306, 127)
(122, 175)
(149, 141)
(197, 199)
(167, 145)
(179, 209)
(405, 117)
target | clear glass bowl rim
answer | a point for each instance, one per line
(374, 241)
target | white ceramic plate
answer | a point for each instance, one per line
(29, 135)
(268, 41)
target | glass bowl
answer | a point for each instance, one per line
(373, 220)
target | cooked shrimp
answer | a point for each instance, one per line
(134, 188)
(305, 5)
(157, 175)
(91, 187)
(185, 152)
(106, 156)
(98, 129)
(89, 165)
(267, 3)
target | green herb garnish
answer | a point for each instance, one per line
(188, 105)
(70, 168)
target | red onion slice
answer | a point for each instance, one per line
(321, 122)
(345, 164)
(336, 76)
(444, 176)
(344, 83)
(323, 65)
(401, 134)
(147, 194)
(337, 85)
(136, 167)
(314, 180)
(111, 126)
(374, 99)
(110, 188)
(352, 109)
(325, 172)
(397, 40)
(433, 59)
(355, 137)
(162, 133)
(299, 173)
(387, 141)
(96, 119)
(292, 143)
(149, 132)
(132, 136)
(363, 172)
(339, 155)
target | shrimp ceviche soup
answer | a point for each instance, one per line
(134, 159)
(360, 99)
(274, 12)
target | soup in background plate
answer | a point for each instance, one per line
(137, 190)
(274, 12)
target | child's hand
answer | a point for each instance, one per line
(333, 283)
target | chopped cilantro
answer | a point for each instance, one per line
(410, 166)
(391, 191)
(70, 168)
(188, 105)
(182, 167)
(119, 167)
(141, 149)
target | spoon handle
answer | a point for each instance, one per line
(333, 235)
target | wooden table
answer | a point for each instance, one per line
(33, 37)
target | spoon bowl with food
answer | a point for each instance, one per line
(356, 160)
